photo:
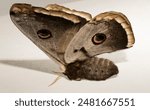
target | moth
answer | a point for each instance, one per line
(74, 39)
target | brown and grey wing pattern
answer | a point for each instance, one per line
(51, 30)
(107, 32)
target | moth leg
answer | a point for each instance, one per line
(56, 79)
(62, 70)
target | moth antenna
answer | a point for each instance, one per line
(56, 79)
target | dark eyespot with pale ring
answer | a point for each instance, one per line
(44, 34)
(98, 38)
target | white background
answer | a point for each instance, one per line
(25, 68)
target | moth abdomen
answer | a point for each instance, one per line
(91, 69)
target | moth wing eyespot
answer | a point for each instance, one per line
(44, 33)
(98, 38)
(102, 71)
(96, 71)
(75, 50)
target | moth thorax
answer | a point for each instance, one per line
(91, 69)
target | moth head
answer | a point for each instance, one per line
(100, 36)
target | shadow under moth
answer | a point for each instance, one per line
(73, 38)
